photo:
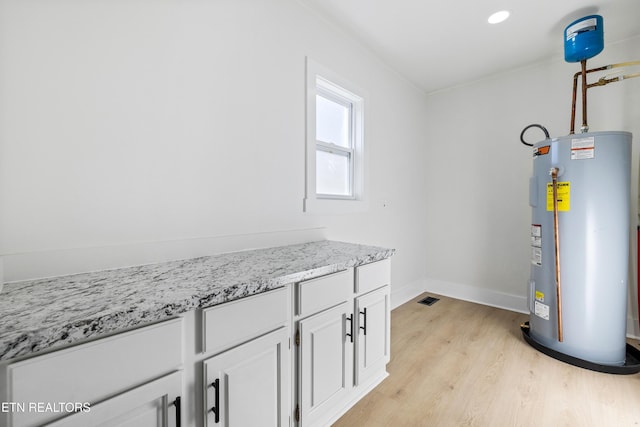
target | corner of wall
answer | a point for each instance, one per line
(406, 293)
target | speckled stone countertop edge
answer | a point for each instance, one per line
(87, 306)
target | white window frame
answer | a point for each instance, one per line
(337, 94)
(321, 80)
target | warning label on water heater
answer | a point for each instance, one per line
(536, 244)
(542, 310)
(564, 196)
(583, 148)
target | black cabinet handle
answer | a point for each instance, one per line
(178, 406)
(350, 334)
(216, 408)
(364, 328)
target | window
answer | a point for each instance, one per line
(335, 154)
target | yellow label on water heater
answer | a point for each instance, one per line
(564, 196)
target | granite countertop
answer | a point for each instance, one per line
(48, 313)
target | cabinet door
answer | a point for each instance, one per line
(373, 338)
(325, 363)
(249, 385)
(92, 372)
(155, 404)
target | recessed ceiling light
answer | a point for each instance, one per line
(498, 17)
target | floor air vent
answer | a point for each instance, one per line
(429, 301)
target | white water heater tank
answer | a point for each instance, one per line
(593, 229)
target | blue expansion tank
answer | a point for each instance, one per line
(584, 38)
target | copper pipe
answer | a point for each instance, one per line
(573, 103)
(606, 80)
(603, 81)
(556, 236)
(575, 90)
(585, 126)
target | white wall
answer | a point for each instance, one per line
(478, 171)
(136, 131)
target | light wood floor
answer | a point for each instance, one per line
(462, 364)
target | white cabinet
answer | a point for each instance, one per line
(248, 385)
(232, 323)
(373, 311)
(247, 381)
(228, 365)
(342, 341)
(374, 325)
(325, 361)
(373, 276)
(93, 375)
(315, 295)
(155, 404)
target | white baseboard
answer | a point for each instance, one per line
(478, 295)
(406, 293)
(492, 298)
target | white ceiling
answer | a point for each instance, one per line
(439, 43)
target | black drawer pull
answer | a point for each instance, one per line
(178, 406)
(350, 334)
(364, 328)
(216, 408)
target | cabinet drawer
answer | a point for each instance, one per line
(372, 276)
(94, 371)
(233, 323)
(324, 292)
